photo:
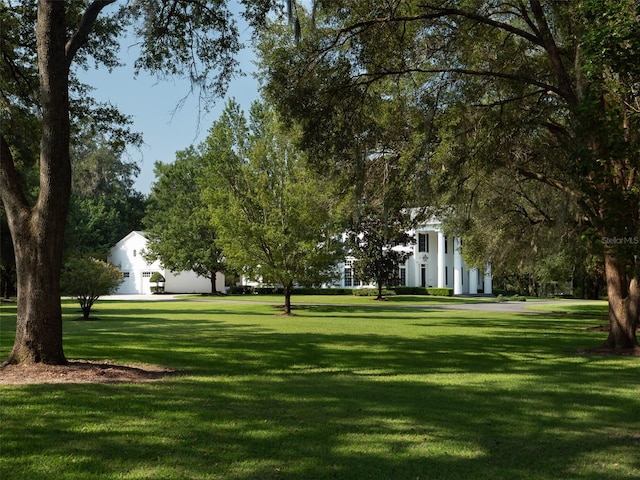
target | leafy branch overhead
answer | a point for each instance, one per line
(42, 43)
(529, 115)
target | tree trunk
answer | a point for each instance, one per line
(214, 290)
(38, 230)
(287, 299)
(624, 305)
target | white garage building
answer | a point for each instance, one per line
(128, 256)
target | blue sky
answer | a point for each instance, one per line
(151, 105)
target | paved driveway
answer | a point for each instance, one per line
(516, 307)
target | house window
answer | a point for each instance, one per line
(423, 242)
(402, 277)
(146, 274)
(348, 277)
(125, 274)
(135, 253)
(446, 275)
(446, 246)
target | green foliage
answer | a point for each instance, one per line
(444, 292)
(411, 290)
(178, 224)
(88, 279)
(529, 118)
(274, 217)
(42, 102)
(440, 292)
(371, 241)
(373, 292)
(104, 206)
(156, 277)
(381, 218)
(323, 291)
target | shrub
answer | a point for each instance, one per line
(518, 298)
(372, 292)
(411, 290)
(240, 290)
(157, 278)
(87, 279)
(440, 292)
(268, 290)
(322, 291)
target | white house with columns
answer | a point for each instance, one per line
(436, 261)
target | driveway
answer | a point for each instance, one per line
(514, 307)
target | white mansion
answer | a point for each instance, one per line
(436, 262)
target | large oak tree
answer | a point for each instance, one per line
(41, 43)
(539, 92)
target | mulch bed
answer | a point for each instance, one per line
(81, 371)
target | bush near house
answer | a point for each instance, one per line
(440, 292)
(360, 292)
(372, 292)
(323, 291)
(157, 278)
(88, 279)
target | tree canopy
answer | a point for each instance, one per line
(178, 223)
(274, 217)
(88, 279)
(42, 43)
(538, 96)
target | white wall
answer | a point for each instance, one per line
(189, 282)
(127, 255)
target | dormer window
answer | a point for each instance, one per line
(135, 253)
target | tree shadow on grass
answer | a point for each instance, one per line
(305, 424)
(495, 398)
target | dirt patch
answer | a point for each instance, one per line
(622, 352)
(81, 371)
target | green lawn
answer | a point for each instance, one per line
(338, 391)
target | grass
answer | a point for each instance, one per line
(337, 391)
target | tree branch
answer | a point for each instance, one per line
(81, 35)
(12, 195)
(440, 12)
(465, 71)
(564, 81)
(553, 182)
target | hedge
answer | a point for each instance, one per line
(440, 292)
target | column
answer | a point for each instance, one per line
(457, 267)
(473, 281)
(441, 260)
(416, 264)
(488, 279)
